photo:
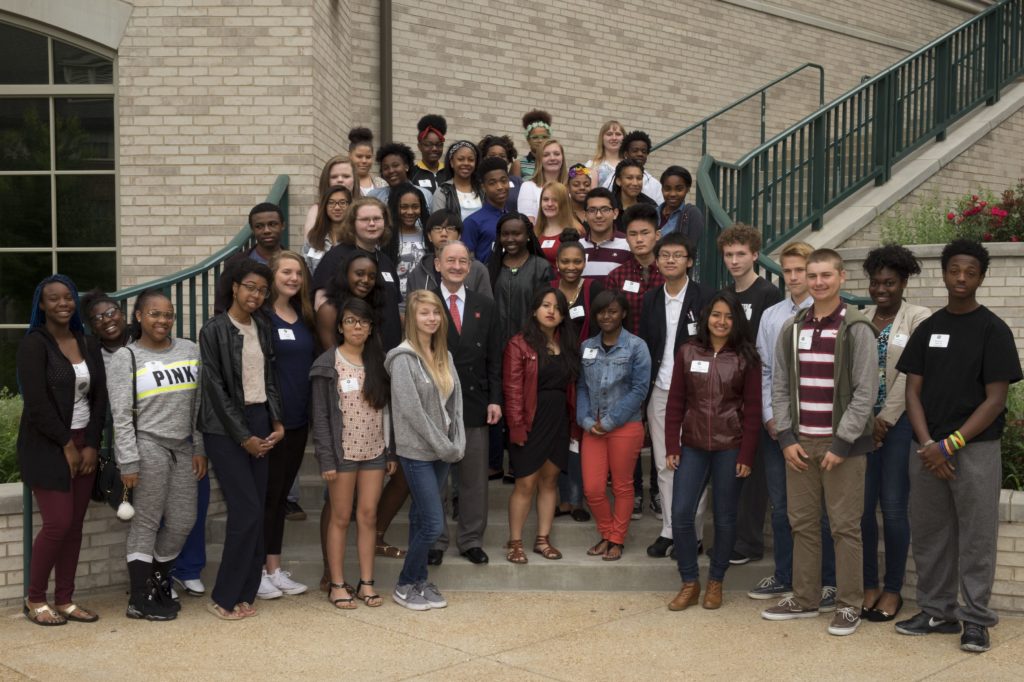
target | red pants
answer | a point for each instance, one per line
(615, 452)
(59, 541)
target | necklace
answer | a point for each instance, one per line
(575, 294)
(521, 263)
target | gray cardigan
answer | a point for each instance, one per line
(419, 417)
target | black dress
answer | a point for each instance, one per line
(549, 434)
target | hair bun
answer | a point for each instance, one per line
(360, 136)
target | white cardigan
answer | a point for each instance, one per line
(907, 320)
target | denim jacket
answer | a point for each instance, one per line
(613, 384)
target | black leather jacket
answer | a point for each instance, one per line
(222, 400)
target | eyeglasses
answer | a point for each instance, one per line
(108, 314)
(599, 210)
(538, 138)
(255, 289)
(432, 145)
(673, 256)
(444, 228)
(356, 322)
(337, 204)
(370, 221)
(160, 315)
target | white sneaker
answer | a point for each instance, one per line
(192, 587)
(282, 580)
(174, 594)
(267, 589)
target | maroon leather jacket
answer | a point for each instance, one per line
(714, 402)
(519, 385)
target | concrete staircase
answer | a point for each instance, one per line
(575, 571)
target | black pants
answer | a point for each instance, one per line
(752, 510)
(243, 481)
(285, 460)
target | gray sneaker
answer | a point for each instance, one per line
(432, 595)
(409, 597)
(845, 621)
(828, 599)
(770, 588)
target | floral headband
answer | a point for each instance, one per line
(578, 169)
(537, 124)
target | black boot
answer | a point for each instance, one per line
(145, 602)
(162, 578)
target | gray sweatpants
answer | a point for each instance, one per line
(954, 526)
(166, 491)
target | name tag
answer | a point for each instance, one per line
(547, 243)
(511, 185)
(349, 385)
(631, 286)
(576, 312)
(938, 341)
(748, 310)
(589, 353)
(691, 329)
(286, 334)
(425, 182)
(700, 366)
(574, 445)
(804, 341)
(829, 333)
(387, 277)
(900, 340)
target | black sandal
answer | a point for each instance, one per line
(349, 603)
(599, 549)
(373, 600)
(612, 546)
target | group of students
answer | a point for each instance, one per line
(407, 340)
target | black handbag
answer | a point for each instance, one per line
(108, 486)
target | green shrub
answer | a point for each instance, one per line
(925, 224)
(1013, 439)
(10, 418)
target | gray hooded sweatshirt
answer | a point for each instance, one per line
(425, 430)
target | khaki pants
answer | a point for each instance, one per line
(843, 491)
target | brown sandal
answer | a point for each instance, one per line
(542, 546)
(388, 551)
(614, 552)
(515, 553)
(599, 549)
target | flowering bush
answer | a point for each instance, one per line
(979, 216)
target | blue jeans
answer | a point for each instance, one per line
(426, 515)
(570, 485)
(887, 481)
(192, 559)
(782, 533)
(687, 486)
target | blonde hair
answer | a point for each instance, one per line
(566, 218)
(347, 233)
(796, 250)
(434, 358)
(599, 154)
(563, 172)
(325, 174)
(304, 307)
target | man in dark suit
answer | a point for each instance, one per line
(474, 339)
(669, 311)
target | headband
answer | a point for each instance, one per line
(426, 131)
(462, 144)
(537, 124)
(578, 169)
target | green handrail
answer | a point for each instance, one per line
(183, 291)
(702, 124)
(789, 182)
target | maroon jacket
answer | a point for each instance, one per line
(717, 409)
(519, 385)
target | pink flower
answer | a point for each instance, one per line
(998, 212)
(1014, 238)
(974, 197)
(987, 237)
(950, 216)
(982, 204)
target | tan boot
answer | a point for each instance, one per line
(688, 595)
(713, 595)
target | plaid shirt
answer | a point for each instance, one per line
(632, 275)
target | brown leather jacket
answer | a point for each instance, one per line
(519, 385)
(714, 403)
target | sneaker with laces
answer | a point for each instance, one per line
(638, 508)
(282, 580)
(788, 609)
(409, 597)
(432, 595)
(194, 587)
(828, 599)
(975, 638)
(923, 624)
(656, 506)
(845, 621)
(267, 589)
(770, 588)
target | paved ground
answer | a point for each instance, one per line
(489, 636)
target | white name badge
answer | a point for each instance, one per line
(938, 341)
(700, 366)
(387, 277)
(286, 334)
(829, 333)
(82, 369)
(900, 340)
(547, 243)
(574, 445)
(425, 183)
(748, 310)
(631, 286)
(349, 385)
(576, 312)
(691, 329)
(804, 341)
(589, 353)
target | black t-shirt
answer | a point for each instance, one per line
(757, 298)
(957, 355)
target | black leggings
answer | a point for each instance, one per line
(285, 460)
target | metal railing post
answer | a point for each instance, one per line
(745, 194)
(993, 49)
(819, 168)
(881, 117)
(943, 87)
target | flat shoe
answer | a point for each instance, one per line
(71, 610)
(876, 615)
(223, 614)
(33, 616)
(581, 515)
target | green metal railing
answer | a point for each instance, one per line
(191, 291)
(762, 93)
(789, 182)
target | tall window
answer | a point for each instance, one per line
(57, 173)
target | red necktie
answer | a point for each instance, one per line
(454, 306)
